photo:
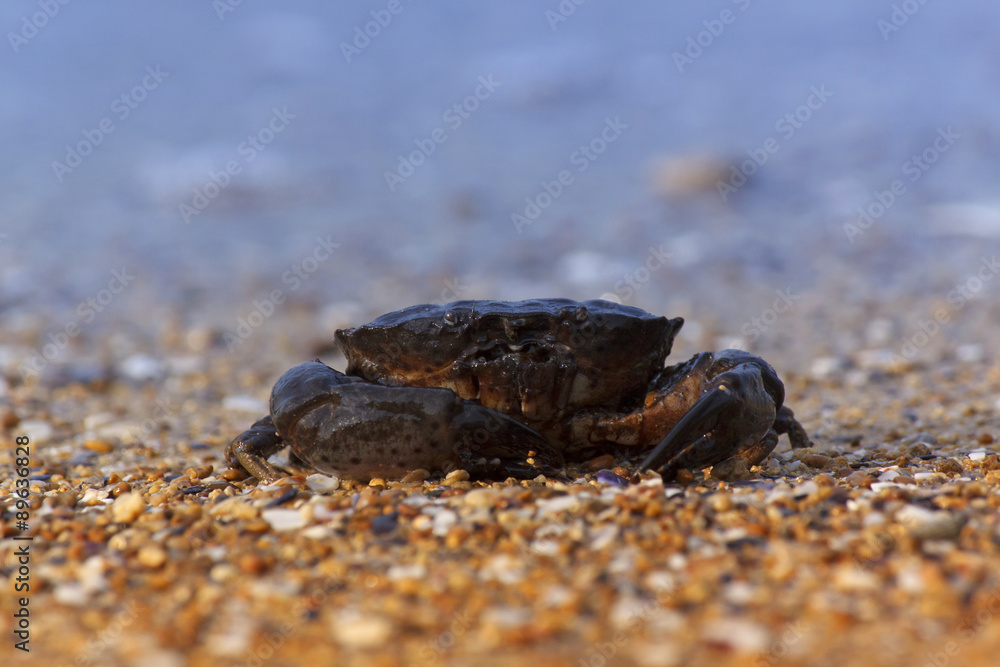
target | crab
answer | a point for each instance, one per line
(518, 389)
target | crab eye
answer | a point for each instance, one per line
(450, 317)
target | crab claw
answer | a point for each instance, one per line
(491, 444)
(342, 425)
(733, 417)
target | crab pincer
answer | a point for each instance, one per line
(342, 425)
(737, 414)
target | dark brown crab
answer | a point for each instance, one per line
(502, 388)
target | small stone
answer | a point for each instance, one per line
(888, 475)
(949, 465)
(100, 446)
(859, 478)
(128, 507)
(385, 523)
(152, 556)
(418, 475)
(825, 367)
(985, 438)
(244, 403)
(720, 502)
(318, 483)
(731, 470)
(991, 462)
(401, 572)
(684, 476)
(456, 476)
(816, 461)
(484, 497)
(601, 462)
(918, 449)
(141, 368)
(37, 431)
(612, 478)
(443, 522)
(355, 630)
(282, 519)
(9, 418)
(927, 524)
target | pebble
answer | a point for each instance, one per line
(324, 484)
(355, 630)
(443, 522)
(152, 556)
(948, 465)
(283, 519)
(385, 523)
(127, 507)
(612, 478)
(738, 634)
(141, 368)
(38, 432)
(244, 403)
(926, 524)
(826, 367)
(456, 476)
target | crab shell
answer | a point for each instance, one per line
(538, 360)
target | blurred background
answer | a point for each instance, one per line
(811, 179)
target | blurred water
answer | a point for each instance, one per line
(553, 87)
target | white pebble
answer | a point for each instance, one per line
(141, 367)
(977, 455)
(928, 524)
(37, 431)
(353, 629)
(550, 506)
(244, 403)
(825, 367)
(970, 353)
(284, 519)
(97, 420)
(412, 571)
(322, 483)
(888, 475)
(443, 522)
